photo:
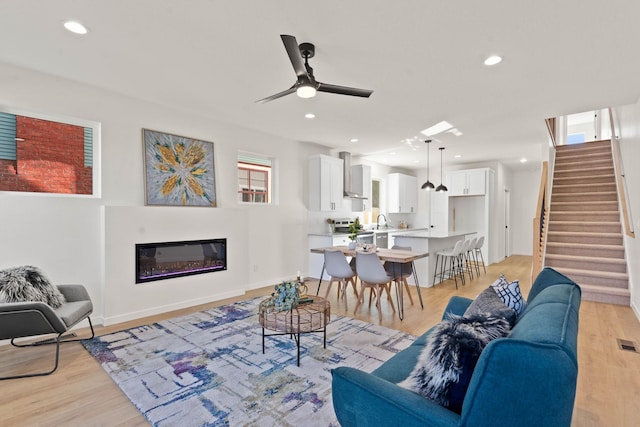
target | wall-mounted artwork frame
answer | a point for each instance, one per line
(178, 171)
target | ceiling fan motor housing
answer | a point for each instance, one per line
(307, 50)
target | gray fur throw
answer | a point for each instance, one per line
(444, 368)
(28, 283)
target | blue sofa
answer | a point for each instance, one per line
(526, 379)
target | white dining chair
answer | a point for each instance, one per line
(373, 275)
(339, 270)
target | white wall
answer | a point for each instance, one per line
(628, 127)
(524, 198)
(90, 240)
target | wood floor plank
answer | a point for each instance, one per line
(80, 393)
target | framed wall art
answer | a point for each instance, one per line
(178, 171)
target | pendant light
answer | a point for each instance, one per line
(428, 185)
(441, 187)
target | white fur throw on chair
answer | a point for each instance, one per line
(28, 283)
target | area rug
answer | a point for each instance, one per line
(207, 368)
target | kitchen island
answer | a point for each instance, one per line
(427, 241)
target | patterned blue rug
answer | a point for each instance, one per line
(207, 368)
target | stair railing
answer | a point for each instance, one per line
(620, 180)
(540, 221)
(552, 128)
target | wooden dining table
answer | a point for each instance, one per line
(400, 256)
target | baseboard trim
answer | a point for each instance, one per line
(107, 321)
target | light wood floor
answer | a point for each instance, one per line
(81, 394)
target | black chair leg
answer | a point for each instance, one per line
(57, 340)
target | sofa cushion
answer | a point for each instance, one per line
(510, 294)
(28, 284)
(445, 366)
(488, 302)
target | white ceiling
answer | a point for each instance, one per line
(422, 58)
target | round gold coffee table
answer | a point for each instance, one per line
(304, 318)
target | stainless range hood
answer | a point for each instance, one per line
(346, 173)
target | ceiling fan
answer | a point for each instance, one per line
(307, 85)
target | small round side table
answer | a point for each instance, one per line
(302, 319)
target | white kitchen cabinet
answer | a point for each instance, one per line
(471, 182)
(402, 194)
(438, 212)
(361, 184)
(340, 240)
(325, 183)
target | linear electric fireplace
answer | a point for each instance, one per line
(157, 261)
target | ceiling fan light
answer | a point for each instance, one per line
(306, 91)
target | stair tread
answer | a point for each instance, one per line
(593, 223)
(589, 212)
(593, 273)
(583, 202)
(588, 245)
(583, 258)
(605, 289)
(584, 233)
(585, 184)
(590, 193)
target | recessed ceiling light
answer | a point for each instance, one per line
(75, 27)
(354, 140)
(437, 128)
(493, 60)
(457, 156)
(523, 160)
(310, 115)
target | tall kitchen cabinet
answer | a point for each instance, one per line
(467, 206)
(402, 193)
(325, 183)
(361, 184)
(471, 207)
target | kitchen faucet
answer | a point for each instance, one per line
(378, 221)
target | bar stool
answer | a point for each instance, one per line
(338, 269)
(455, 268)
(372, 275)
(478, 251)
(465, 257)
(471, 255)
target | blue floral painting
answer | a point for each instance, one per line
(179, 171)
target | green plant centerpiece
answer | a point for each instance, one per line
(354, 229)
(285, 296)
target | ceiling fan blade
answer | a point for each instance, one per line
(291, 45)
(343, 90)
(291, 90)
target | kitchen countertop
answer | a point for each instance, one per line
(426, 234)
(382, 230)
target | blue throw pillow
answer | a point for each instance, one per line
(510, 294)
(446, 365)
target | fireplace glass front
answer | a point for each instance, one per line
(157, 261)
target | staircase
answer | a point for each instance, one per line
(584, 238)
